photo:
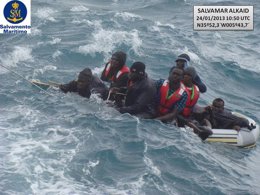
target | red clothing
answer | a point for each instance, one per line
(193, 96)
(166, 102)
(122, 71)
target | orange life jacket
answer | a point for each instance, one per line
(193, 96)
(123, 70)
(166, 102)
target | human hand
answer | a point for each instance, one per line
(208, 110)
(237, 127)
(114, 90)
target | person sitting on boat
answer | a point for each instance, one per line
(172, 96)
(140, 93)
(193, 96)
(182, 62)
(221, 118)
(86, 84)
(192, 90)
(172, 99)
(116, 73)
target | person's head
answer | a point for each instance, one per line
(175, 76)
(137, 71)
(218, 105)
(189, 75)
(182, 61)
(84, 78)
(118, 60)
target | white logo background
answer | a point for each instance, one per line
(27, 20)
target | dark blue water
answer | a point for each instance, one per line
(65, 144)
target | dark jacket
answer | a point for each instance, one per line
(197, 81)
(96, 86)
(140, 99)
(227, 120)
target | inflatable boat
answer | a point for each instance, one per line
(242, 138)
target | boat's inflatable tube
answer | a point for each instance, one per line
(242, 138)
(44, 85)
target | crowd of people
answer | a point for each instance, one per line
(169, 100)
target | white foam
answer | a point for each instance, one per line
(56, 54)
(122, 188)
(26, 112)
(93, 164)
(165, 25)
(55, 41)
(126, 16)
(96, 23)
(98, 70)
(248, 63)
(39, 153)
(237, 53)
(45, 13)
(149, 163)
(153, 169)
(18, 54)
(155, 29)
(158, 26)
(35, 31)
(38, 169)
(89, 166)
(239, 58)
(77, 21)
(105, 41)
(95, 99)
(217, 35)
(79, 8)
(36, 72)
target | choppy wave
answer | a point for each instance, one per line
(15, 56)
(45, 13)
(80, 8)
(105, 41)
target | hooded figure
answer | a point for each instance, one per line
(192, 90)
(115, 69)
(120, 57)
(191, 72)
(116, 73)
(183, 62)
